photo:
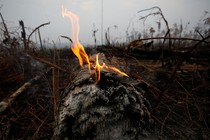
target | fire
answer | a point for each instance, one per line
(98, 68)
(79, 50)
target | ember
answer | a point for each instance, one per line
(79, 50)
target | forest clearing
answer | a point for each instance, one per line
(153, 87)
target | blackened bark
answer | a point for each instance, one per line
(112, 109)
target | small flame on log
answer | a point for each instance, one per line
(79, 50)
(98, 68)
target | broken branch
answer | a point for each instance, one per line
(9, 101)
(35, 30)
(171, 78)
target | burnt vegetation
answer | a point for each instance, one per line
(172, 67)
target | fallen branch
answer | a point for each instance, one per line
(172, 38)
(171, 78)
(48, 63)
(11, 99)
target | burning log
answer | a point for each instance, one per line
(110, 109)
(100, 104)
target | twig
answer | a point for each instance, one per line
(200, 34)
(161, 14)
(172, 38)
(168, 114)
(42, 123)
(167, 26)
(36, 29)
(171, 78)
(54, 86)
(5, 26)
(48, 63)
(66, 37)
(11, 99)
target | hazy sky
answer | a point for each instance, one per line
(115, 12)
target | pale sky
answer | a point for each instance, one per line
(115, 12)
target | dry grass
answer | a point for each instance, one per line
(11, 71)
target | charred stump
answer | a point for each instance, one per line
(111, 109)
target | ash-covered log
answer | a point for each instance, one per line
(111, 109)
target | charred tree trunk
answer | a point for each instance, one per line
(111, 109)
(23, 33)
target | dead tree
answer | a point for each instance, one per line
(5, 27)
(111, 109)
(23, 34)
(6, 32)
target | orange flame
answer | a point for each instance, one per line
(98, 68)
(79, 50)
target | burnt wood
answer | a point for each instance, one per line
(111, 109)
